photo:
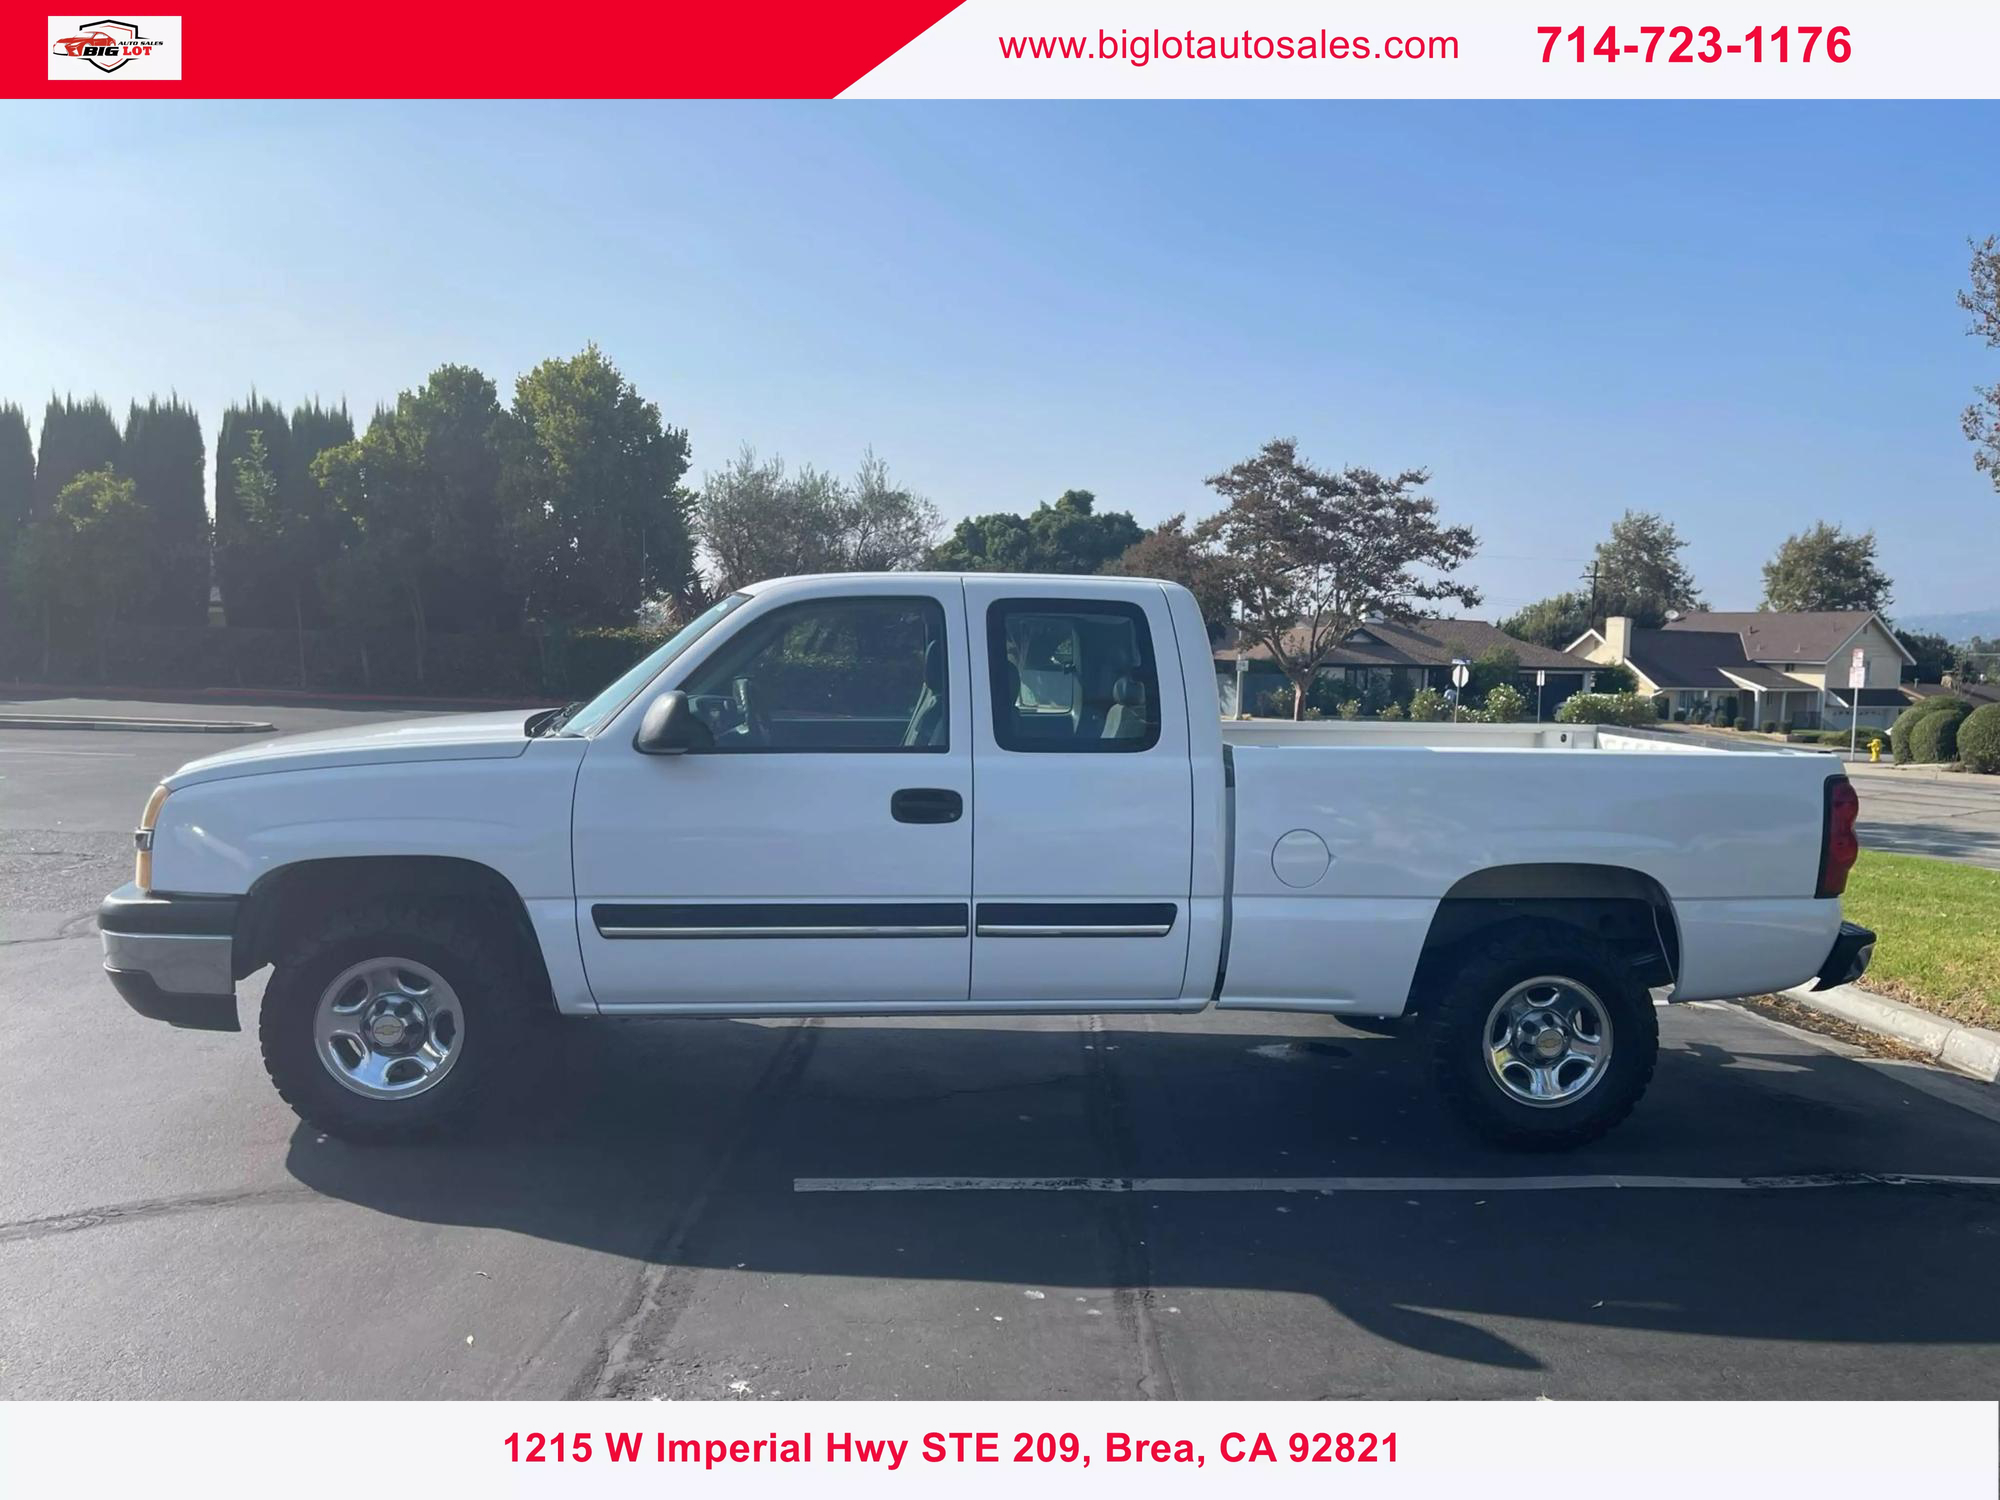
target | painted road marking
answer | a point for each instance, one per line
(1562, 1183)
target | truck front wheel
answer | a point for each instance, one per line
(1544, 1040)
(382, 1025)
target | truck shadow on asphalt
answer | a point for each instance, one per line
(685, 1143)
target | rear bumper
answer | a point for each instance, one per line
(1848, 960)
(172, 957)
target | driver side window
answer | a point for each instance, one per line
(830, 675)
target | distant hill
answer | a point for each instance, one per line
(1959, 627)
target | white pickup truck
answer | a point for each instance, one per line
(923, 794)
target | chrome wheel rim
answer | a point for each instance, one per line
(388, 1028)
(1547, 1042)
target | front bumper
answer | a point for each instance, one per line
(172, 958)
(1849, 959)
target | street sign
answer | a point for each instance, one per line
(1857, 669)
(1461, 673)
(1541, 677)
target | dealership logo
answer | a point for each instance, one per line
(106, 45)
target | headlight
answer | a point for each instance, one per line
(142, 840)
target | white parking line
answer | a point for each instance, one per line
(1562, 1183)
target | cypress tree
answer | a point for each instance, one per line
(77, 436)
(17, 479)
(252, 593)
(167, 461)
(309, 509)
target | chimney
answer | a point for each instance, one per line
(1618, 636)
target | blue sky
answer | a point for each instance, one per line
(1739, 315)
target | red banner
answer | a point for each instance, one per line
(784, 49)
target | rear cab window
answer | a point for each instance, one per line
(1072, 676)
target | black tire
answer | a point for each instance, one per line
(1459, 1017)
(476, 966)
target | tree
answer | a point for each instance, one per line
(592, 481)
(253, 592)
(97, 537)
(1934, 655)
(447, 439)
(1185, 555)
(1640, 573)
(168, 466)
(17, 478)
(1982, 299)
(756, 519)
(291, 540)
(305, 511)
(376, 486)
(1553, 622)
(885, 527)
(1316, 551)
(1066, 535)
(77, 437)
(1496, 666)
(1825, 568)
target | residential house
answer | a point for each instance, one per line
(1390, 660)
(1763, 667)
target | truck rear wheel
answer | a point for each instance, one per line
(1544, 1040)
(383, 1025)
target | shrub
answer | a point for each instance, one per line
(1725, 721)
(1426, 705)
(1613, 679)
(1505, 703)
(1934, 737)
(1907, 720)
(1680, 716)
(1979, 739)
(1626, 709)
(1770, 726)
(1276, 704)
(1660, 706)
(1391, 712)
(1350, 708)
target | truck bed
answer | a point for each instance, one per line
(1355, 734)
(1345, 837)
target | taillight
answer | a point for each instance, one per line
(1838, 847)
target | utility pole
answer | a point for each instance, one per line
(1591, 579)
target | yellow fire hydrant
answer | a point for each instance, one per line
(1874, 751)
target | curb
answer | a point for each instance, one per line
(141, 726)
(1971, 1050)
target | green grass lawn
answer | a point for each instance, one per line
(1937, 927)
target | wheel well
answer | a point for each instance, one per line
(284, 903)
(1623, 907)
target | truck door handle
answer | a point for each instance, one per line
(926, 804)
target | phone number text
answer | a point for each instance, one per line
(1696, 44)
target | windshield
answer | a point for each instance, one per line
(605, 706)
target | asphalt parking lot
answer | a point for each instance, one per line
(1206, 1207)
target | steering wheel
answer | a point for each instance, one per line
(756, 727)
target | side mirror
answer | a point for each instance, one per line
(672, 727)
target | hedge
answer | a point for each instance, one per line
(1627, 709)
(1899, 732)
(1934, 737)
(557, 664)
(1979, 739)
